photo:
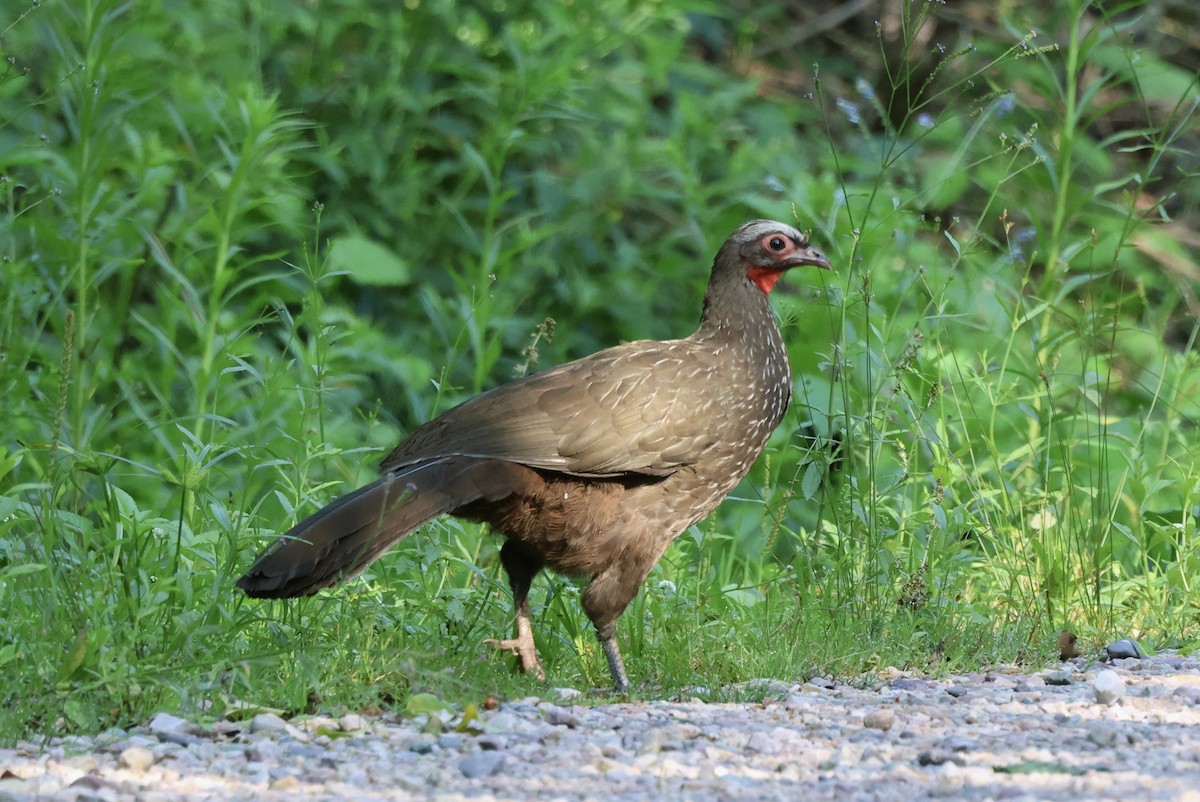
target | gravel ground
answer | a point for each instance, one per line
(1128, 730)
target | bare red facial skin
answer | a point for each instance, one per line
(764, 277)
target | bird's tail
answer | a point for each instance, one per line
(343, 538)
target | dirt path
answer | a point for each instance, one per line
(1075, 734)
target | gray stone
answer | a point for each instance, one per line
(167, 723)
(504, 721)
(450, 740)
(423, 745)
(957, 743)
(560, 716)
(268, 722)
(1124, 648)
(263, 750)
(173, 729)
(133, 740)
(938, 757)
(490, 742)
(1188, 693)
(1059, 678)
(480, 764)
(1102, 735)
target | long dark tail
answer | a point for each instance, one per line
(343, 538)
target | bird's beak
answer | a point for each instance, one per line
(810, 256)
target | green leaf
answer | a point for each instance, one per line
(332, 732)
(468, 722)
(811, 481)
(424, 703)
(74, 658)
(368, 262)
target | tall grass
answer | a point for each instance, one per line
(237, 268)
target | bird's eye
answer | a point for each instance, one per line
(777, 244)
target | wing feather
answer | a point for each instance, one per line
(636, 408)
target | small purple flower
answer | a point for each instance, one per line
(850, 110)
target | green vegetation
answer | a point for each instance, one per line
(245, 246)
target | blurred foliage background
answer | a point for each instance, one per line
(246, 246)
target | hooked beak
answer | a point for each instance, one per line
(809, 256)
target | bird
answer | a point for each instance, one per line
(591, 468)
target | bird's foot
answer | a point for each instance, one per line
(526, 654)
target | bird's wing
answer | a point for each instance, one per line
(641, 407)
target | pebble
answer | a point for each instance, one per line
(890, 738)
(1102, 735)
(173, 729)
(450, 740)
(938, 757)
(263, 751)
(1189, 694)
(168, 724)
(1108, 687)
(136, 758)
(352, 722)
(1059, 678)
(422, 745)
(480, 764)
(268, 723)
(762, 743)
(560, 716)
(880, 719)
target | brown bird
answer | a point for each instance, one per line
(591, 468)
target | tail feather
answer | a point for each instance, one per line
(343, 538)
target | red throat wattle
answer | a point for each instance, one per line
(764, 277)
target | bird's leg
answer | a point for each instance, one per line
(616, 666)
(604, 599)
(522, 566)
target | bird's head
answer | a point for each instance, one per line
(764, 249)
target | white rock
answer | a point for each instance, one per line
(880, 718)
(763, 743)
(352, 722)
(1109, 687)
(136, 758)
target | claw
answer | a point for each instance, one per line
(525, 651)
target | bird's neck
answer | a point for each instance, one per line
(740, 330)
(738, 311)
